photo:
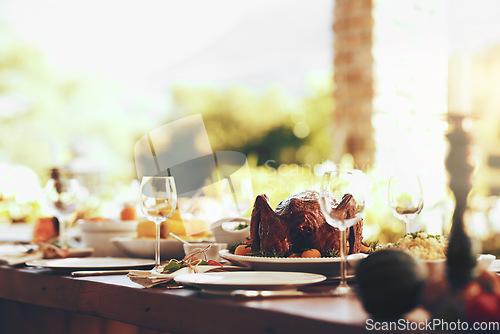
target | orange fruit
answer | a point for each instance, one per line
(128, 213)
(45, 229)
(311, 253)
(294, 255)
(243, 250)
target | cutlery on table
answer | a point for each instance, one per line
(81, 273)
(267, 293)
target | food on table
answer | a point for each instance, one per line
(188, 229)
(192, 262)
(475, 301)
(54, 251)
(298, 224)
(482, 298)
(98, 220)
(45, 234)
(240, 226)
(243, 249)
(390, 283)
(311, 253)
(45, 229)
(128, 213)
(422, 245)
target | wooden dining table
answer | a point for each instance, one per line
(40, 300)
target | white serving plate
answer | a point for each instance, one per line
(145, 248)
(258, 280)
(92, 263)
(329, 266)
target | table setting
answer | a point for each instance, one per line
(259, 273)
(310, 245)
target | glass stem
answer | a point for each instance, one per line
(342, 258)
(407, 224)
(63, 241)
(157, 244)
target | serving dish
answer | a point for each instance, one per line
(329, 266)
(98, 235)
(145, 248)
(88, 263)
(228, 230)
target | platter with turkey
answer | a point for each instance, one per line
(296, 237)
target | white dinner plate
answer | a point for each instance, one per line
(329, 266)
(258, 280)
(92, 263)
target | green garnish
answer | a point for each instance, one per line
(174, 265)
(330, 253)
(232, 248)
(271, 253)
(241, 226)
(415, 235)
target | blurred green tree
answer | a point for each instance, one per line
(43, 106)
(272, 126)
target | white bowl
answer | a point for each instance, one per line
(485, 260)
(98, 235)
(145, 248)
(212, 253)
(224, 230)
(437, 268)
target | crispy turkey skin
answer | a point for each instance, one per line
(298, 224)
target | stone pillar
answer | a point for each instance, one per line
(390, 70)
(353, 63)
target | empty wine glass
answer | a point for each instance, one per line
(158, 202)
(405, 198)
(63, 194)
(342, 203)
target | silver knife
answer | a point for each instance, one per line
(81, 273)
(267, 293)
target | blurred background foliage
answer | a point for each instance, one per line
(284, 137)
(47, 113)
(271, 126)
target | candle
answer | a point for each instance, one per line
(459, 83)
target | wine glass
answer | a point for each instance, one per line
(63, 194)
(405, 198)
(158, 202)
(342, 203)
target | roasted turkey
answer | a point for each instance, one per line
(298, 224)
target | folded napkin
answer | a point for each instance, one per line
(16, 258)
(150, 278)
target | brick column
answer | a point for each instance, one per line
(390, 69)
(353, 77)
